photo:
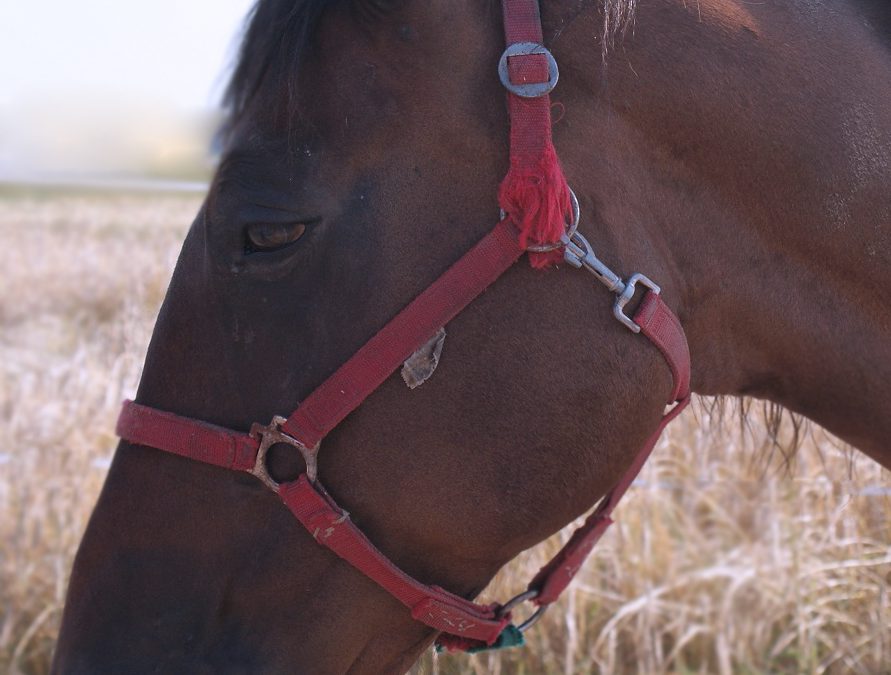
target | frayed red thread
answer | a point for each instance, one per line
(537, 200)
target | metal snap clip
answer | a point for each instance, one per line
(579, 253)
(625, 296)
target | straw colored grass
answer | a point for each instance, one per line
(722, 561)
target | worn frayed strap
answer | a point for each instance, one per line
(662, 327)
(536, 198)
(534, 193)
(186, 437)
(331, 527)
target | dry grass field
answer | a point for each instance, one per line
(723, 559)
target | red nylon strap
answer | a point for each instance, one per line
(318, 513)
(326, 407)
(662, 327)
(530, 118)
(534, 192)
(431, 605)
(186, 437)
(532, 158)
(330, 526)
(366, 370)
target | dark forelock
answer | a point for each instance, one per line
(276, 35)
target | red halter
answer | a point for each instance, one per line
(536, 201)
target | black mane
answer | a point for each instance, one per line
(276, 35)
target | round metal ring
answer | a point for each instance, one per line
(530, 89)
(519, 600)
(532, 620)
(516, 600)
(570, 228)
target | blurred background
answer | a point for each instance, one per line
(98, 91)
(107, 113)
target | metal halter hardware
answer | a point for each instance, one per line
(525, 596)
(530, 89)
(272, 434)
(580, 254)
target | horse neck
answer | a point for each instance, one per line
(761, 202)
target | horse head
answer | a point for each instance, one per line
(363, 154)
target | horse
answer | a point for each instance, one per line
(737, 153)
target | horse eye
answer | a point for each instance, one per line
(272, 236)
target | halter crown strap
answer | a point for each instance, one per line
(534, 193)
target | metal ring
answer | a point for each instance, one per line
(271, 435)
(570, 228)
(532, 620)
(530, 89)
(518, 600)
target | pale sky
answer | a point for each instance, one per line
(91, 84)
(167, 50)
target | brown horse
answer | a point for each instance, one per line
(738, 153)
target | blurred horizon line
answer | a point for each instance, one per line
(95, 139)
(100, 183)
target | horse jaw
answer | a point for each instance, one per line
(766, 199)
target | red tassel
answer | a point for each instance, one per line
(537, 200)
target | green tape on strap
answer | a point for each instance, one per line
(509, 637)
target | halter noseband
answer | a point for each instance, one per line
(529, 72)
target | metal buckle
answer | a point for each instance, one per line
(531, 89)
(518, 600)
(625, 296)
(570, 227)
(579, 253)
(271, 435)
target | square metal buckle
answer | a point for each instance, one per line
(529, 89)
(624, 297)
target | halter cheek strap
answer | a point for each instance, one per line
(536, 202)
